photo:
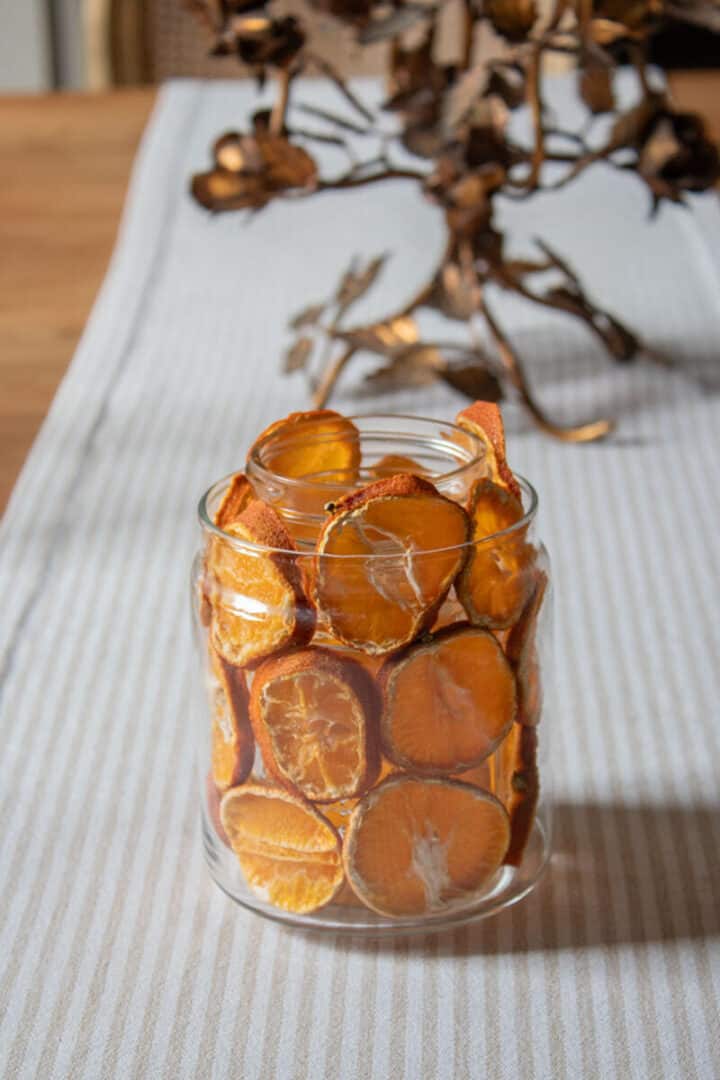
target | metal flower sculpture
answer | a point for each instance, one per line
(454, 119)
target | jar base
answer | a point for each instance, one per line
(510, 885)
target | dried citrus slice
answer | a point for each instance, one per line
(320, 444)
(484, 419)
(202, 596)
(237, 497)
(315, 718)
(447, 703)
(232, 744)
(346, 897)
(259, 606)
(392, 464)
(379, 579)
(480, 775)
(338, 813)
(213, 807)
(422, 847)
(312, 458)
(288, 852)
(522, 652)
(494, 584)
(516, 783)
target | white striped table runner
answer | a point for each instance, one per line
(119, 957)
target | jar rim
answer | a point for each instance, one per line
(299, 481)
(531, 500)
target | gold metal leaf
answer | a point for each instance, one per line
(224, 190)
(228, 152)
(398, 21)
(384, 337)
(513, 19)
(418, 366)
(298, 354)
(452, 295)
(307, 317)
(596, 88)
(356, 281)
(474, 381)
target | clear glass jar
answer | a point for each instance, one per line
(325, 743)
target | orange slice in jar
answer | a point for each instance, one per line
(202, 596)
(212, 797)
(313, 457)
(522, 652)
(480, 775)
(315, 719)
(493, 585)
(259, 606)
(516, 783)
(289, 853)
(378, 576)
(339, 813)
(237, 497)
(447, 703)
(484, 419)
(424, 846)
(392, 464)
(232, 744)
(320, 444)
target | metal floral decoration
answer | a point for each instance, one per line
(454, 119)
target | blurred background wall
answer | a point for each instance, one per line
(94, 44)
(25, 62)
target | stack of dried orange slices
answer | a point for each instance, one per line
(374, 704)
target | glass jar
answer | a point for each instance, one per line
(373, 737)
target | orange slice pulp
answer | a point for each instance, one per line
(494, 584)
(233, 746)
(424, 847)
(259, 606)
(378, 578)
(288, 852)
(447, 703)
(484, 419)
(314, 714)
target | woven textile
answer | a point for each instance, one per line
(120, 958)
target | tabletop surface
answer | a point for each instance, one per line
(118, 956)
(66, 162)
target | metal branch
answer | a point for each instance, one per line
(331, 375)
(572, 433)
(279, 109)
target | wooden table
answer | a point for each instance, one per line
(65, 165)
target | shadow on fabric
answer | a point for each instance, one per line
(618, 875)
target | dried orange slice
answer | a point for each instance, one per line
(494, 584)
(480, 775)
(346, 897)
(315, 719)
(516, 783)
(378, 578)
(259, 606)
(392, 464)
(202, 595)
(288, 852)
(232, 744)
(484, 419)
(320, 444)
(339, 813)
(237, 497)
(522, 652)
(212, 796)
(447, 703)
(313, 457)
(424, 847)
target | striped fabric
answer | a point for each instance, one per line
(120, 958)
